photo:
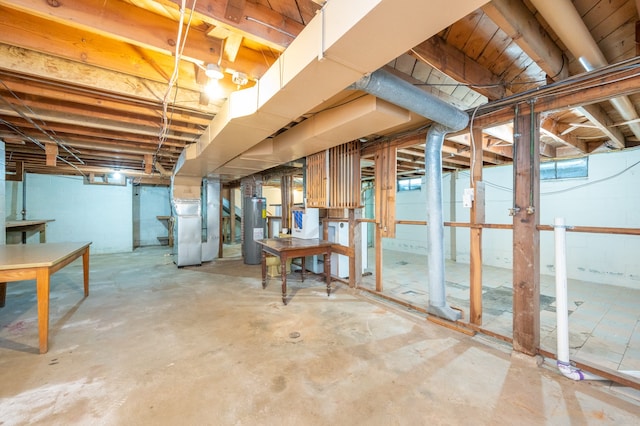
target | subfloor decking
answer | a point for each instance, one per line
(154, 344)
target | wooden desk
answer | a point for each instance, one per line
(28, 225)
(286, 248)
(39, 261)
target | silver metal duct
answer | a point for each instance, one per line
(435, 224)
(448, 119)
(393, 89)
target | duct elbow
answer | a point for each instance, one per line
(395, 90)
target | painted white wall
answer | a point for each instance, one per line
(101, 214)
(152, 201)
(609, 197)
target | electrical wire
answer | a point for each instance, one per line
(35, 141)
(615, 175)
(560, 191)
(180, 44)
(33, 123)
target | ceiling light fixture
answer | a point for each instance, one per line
(239, 78)
(214, 71)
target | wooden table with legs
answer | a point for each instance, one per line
(20, 262)
(289, 248)
(24, 226)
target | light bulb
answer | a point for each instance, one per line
(213, 89)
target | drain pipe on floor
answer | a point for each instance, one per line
(447, 118)
(562, 310)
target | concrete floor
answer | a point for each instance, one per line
(154, 344)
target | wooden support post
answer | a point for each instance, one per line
(51, 152)
(221, 223)
(452, 215)
(286, 200)
(148, 164)
(637, 37)
(526, 237)
(355, 243)
(476, 217)
(19, 175)
(232, 214)
(378, 258)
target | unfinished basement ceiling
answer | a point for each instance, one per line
(85, 86)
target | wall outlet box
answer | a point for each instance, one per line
(467, 198)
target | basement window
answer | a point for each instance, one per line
(565, 169)
(409, 184)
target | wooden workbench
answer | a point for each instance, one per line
(39, 261)
(286, 248)
(36, 225)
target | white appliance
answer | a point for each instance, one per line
(187, 246)
(338, 233)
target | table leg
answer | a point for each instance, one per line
(42, 290)
(3, 294)
(304, 266)
(283, 273)
(327, 271)
(263, 261)
(85, 270)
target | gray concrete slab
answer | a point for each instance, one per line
(155, 344)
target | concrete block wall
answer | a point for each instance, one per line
(608, 197)
(98, 213)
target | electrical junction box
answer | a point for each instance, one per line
(467, 198)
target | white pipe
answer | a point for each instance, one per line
(567, 23)
(562, 309)
(562, 316)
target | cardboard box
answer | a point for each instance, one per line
(305, 223)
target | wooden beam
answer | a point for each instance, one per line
(258, 24)
(453, 62)
(29, 89)
(553, 129)
(598, 88)
(29, 63)
(601, 120)
(526, 236)
(126, 26)
(517, 21)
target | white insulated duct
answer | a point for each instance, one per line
(448, 119)
(361, 117)
(344, 41)
(565, 21)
